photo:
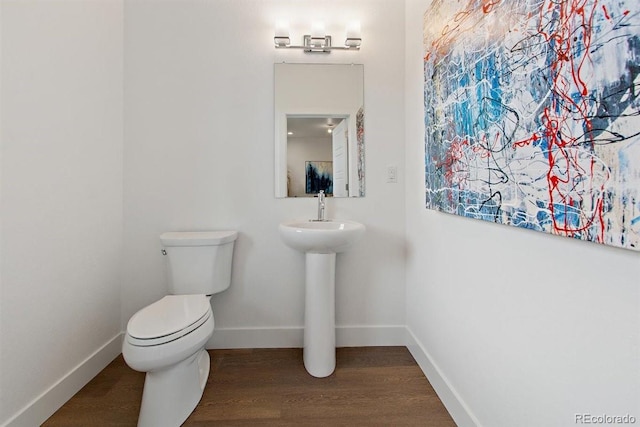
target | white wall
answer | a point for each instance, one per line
(528, 329)
(199, 155)
(61, 189)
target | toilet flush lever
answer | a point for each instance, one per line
(163, 252)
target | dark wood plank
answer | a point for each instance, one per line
(112, 398)
(270, 387)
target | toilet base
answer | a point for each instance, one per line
(170, 395)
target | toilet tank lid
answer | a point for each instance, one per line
(197, 238)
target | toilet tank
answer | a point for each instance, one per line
(198, 262)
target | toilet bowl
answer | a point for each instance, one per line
(167, 338)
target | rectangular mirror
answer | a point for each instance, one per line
(319, 130)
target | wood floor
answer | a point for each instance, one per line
(372, 386)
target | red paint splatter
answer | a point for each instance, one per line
(527, 141)
(454, 164)
(461, 21)
(487, 5)
(571, 33)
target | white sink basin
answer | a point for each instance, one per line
(321, 237)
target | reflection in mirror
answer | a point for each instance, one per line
(317, 156)
(319, 130)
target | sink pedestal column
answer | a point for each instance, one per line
(319, 352)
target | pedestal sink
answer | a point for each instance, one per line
(320, 241)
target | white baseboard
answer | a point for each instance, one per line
(459, 411)
(371, 336)
(45, 405)
(293, 337)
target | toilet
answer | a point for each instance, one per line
(166, 339)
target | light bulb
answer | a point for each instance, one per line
(317, 31)
(281, 37)
(354, 36)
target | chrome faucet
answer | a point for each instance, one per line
(321, 206)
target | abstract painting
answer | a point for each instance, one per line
(360, 141)
(319, 176)
(532, 115)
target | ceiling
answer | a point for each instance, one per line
(311, 127)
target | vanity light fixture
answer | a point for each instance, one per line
(318, 41)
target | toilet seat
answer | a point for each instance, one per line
(168, 319)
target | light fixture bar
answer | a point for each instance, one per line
(312, 44)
